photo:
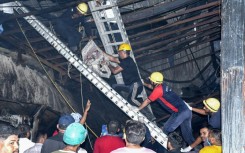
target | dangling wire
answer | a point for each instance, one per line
(49, 77)
(80, 79)
(55, 85)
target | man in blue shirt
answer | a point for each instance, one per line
(65, 25)
(212, 110)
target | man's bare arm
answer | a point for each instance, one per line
(144, 104)
(85, 114)
(199, 111)
(115, 70)
(112, 58)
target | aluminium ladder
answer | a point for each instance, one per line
(108, 20)
(105, 88)
(106, 31)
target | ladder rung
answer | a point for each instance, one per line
(91, 76)
(103, 7)
(115, 43)
(108, 20)
(111, 32)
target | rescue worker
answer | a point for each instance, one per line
(212, 110)
(132, 82)
(181, 115)
(65, 25)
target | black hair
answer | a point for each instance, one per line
(128, 53)
(7, 130)
(113, 127)
(24, 129)
(176, 140)
(135, 132)
(40, 135)
(206, 126)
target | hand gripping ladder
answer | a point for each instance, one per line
(112, 32)
(156, 132)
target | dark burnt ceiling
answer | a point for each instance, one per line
(156, 31)
(164, 35)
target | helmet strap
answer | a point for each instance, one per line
(154, 84)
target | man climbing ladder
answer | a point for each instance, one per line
(132, 82)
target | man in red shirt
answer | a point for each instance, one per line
(109, 142)
(180, 112)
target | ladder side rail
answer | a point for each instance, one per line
(126, 39)
(123, 33)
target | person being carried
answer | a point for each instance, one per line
(181, 115)
(109, 142)
(212, 110)
(131, 78)
(134, 136)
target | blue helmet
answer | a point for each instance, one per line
(75, 134)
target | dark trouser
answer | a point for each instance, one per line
(182, 119)
(69, 34)
(133, 91)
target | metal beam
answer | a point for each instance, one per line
(156, 10)
(176, 23)
(173, 15)
(183, 29)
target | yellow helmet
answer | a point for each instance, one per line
(82, 8)
(156, 77)
(124, 47)
(212, 104)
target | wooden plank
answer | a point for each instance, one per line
(33, 40)
(44, 49)
(54, 57)
(233, 79)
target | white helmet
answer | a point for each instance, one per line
(77, 117)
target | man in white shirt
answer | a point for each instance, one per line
(24, 141)
(41, 137)
(134, 136)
